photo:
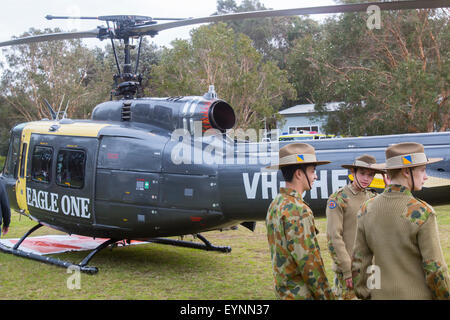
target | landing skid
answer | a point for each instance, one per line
(187, 244)
(82, 266)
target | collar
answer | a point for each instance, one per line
(291, 192)
(353, 189)
(397, 188)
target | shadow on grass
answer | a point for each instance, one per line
(149, 257)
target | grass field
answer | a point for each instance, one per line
(154, 271)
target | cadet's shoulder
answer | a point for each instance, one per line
(365, 208)
(277, 201)
(337, 194)
(418, 211)
(290, 207)
(338, 198)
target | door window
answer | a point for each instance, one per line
(41, 164)
(70, 168)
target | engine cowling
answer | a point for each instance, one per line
(169, 113)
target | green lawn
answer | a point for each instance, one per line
(154, 271)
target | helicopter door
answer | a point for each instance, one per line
(60, 181)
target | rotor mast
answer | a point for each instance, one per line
(127, 82)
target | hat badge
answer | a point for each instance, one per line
(300, 158)
(407, 159)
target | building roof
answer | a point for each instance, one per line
(308, 108)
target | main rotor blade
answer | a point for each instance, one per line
(154, 29)
(360, 7)
(52, 36)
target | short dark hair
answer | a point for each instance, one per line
(288, 171)
(392, 173)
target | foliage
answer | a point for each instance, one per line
(66, 73)
(272, 37)
(216, 55)
(5, 125)
(259, 30)
(391, 80)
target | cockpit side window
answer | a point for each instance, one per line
(22, 160)
(11, 164)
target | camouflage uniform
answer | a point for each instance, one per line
(297, 265)
(342, 209)
(401, 233)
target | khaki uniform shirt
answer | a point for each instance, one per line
(401, 233)
(298, 267)
(342, 209)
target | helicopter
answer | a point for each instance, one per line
(143, 169)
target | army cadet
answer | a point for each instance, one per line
(296, 261)
(5, 211)
(342, 209)
(401, 234)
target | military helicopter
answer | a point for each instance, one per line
(141, 168)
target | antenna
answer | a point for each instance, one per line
(65, 110)
(59, 110)
(52, 112)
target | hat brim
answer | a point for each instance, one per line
(278, 166)
(379, 168)
(430, 161)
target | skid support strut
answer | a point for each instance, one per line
(187, 244)
(60, 263)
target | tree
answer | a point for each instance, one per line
(6, 116)
(217, 55)
(66, 73)
(272, 37)
(391, 80)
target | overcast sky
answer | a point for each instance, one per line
(18, 16)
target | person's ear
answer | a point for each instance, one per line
(298, 174)
(405, 172)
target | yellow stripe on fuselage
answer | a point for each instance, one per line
(431, 182)
(377, 182)
(79, 129)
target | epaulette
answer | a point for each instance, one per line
(338, 198)
(336, 193)
(418, 211)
